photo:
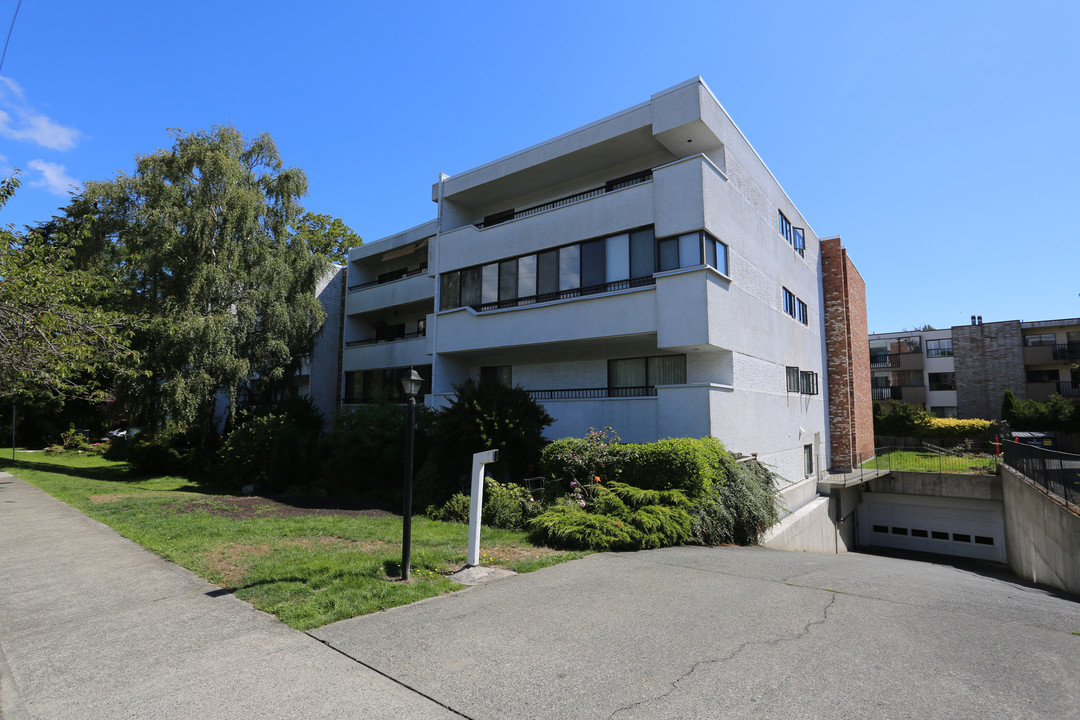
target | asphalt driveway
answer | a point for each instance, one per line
(94, 626)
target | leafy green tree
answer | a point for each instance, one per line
(327, 236)
(56, 340)
(199, 242)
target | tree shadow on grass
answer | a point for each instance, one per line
(119, 473)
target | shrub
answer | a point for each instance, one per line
(364, 454)
(153, 454)
(505, 506)
(1057, 413)
(278, 449)
(972, 428)
(671, 491)
(581, 460)
(489, 415)
(73, 440)
(742, 507)
(900, 418)
(617, 517)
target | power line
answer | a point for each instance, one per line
(10, 28)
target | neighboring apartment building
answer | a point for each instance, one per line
(645, 272)
(964, 371)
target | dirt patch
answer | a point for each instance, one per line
(116, 497)
(247, 508)
(234, 559)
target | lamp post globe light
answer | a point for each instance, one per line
(410, 383)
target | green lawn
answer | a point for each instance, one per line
(923, 461)
(308, 571)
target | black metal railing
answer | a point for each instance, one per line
(887, 393)
(395, 338)
(1068, 352)
(566, 294)
(880, 360)
(1057, 472)
(593, 393)
(1066, 388)
(391, 277)
(611, 186)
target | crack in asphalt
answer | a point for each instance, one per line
(803, 632)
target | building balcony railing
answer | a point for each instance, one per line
(1069, 389)
(593, 393)
(884, 360)
(610, 186)
(394, 338)
(1067, 352)
(886, 393)
(391, 277)
(907, 393)
(566, 294)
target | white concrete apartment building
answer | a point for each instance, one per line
(644, 272)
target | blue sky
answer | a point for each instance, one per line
(939, 139)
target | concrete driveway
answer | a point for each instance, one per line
(732, 633)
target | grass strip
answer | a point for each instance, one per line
(307, 571)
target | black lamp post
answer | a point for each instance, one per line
(410, 383)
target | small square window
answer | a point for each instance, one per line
(808, 382)
(803, 312)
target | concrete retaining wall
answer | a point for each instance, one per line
(977, 487)
(810, 528)
(1042, 536)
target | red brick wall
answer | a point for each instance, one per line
(851, 423)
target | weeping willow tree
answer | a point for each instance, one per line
(198, 242)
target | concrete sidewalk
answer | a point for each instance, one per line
(94, 626)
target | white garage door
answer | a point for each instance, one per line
(950, 526)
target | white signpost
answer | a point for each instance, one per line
(476, 507)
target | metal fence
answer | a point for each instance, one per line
(1058, 472)
(930, 460)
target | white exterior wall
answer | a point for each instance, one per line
(731, 327)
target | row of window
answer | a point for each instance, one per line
(383, 385)
(795, 236)
(623, 375)
(795, 307)
(889, 346)
(804, 382)
(933, 534)
(912, 378)
(610, 263)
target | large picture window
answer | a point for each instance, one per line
(939, 348)
(629, 377)
(941, 381)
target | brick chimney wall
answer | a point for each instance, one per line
(851, 420)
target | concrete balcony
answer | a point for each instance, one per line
(384, 354)
(1040, 355)
(588, 318)
(391, 294)
(603, 214)
(1041, 391)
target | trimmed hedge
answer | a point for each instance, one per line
(674, 491)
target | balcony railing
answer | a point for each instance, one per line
(593, 393)
(610, 186)
(395, 338)
(882, 360)
(1068, 352)
(1068, 389)
(887, 393)
(391, 277)
(566, 294)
